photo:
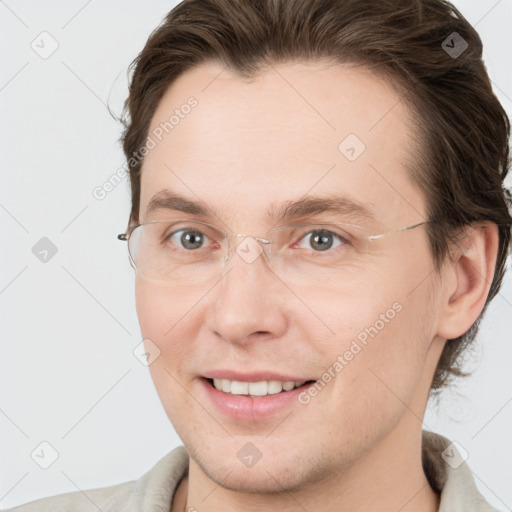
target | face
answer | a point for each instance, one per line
(246, 146)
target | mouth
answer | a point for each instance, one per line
(256, 389)
(251, 398)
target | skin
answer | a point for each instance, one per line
(358, 442)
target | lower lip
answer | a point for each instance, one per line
(244, 407)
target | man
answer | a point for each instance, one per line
(315, 236)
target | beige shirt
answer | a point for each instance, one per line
(154, 491)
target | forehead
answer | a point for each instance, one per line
(294, 129)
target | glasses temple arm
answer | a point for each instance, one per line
(407, 228)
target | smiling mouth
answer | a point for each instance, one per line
(256, 389)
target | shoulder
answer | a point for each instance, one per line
(89, 500)
(449, 475)
(154, 490)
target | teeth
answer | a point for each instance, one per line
(239, 388)
(288, 386)
(225, 385)
(255, 388)
(274, 386)
(262, 388)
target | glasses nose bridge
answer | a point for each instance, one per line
(264, 243)
(258, 238)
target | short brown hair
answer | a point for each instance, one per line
(463, 157)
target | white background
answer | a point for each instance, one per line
(67, 372)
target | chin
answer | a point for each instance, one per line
(267, 479)
(280, 471)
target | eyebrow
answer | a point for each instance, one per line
(289, 210)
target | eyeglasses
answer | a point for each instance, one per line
(194, 253)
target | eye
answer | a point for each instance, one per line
(321, 240)
(189, 239)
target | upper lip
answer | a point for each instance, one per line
(253, 376)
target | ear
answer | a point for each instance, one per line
(467, 276)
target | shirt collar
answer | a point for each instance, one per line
(450, 476)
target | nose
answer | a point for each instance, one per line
(249, 301)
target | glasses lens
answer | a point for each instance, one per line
(307, 254)
(178, 251)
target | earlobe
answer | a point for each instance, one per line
(468, 277)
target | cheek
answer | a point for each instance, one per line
(161, 308)
(166, 318)
(380, 345)
(151, 309)
(378, 372)
(159, 312)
